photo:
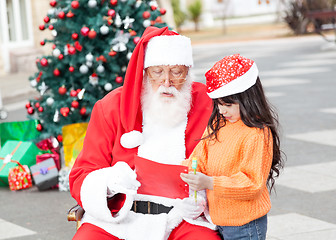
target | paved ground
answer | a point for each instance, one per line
(299, 75)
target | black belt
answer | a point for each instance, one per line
(149, 207)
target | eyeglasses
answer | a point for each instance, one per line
(172, 81)
(159, 77)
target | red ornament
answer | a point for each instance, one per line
(44, 62)
(119, 79)
(46, 19)
(111, 12)
(133, 33)
(71, 50)
(53, 46)
(57, 72)
(82, 111)
(40, 109)
(153, 8)
(163, 11)
(61, 56)
(85, 31)
(28, 105)
(42, 27)
(62, 90)
(61, 15)
(92, 34)
(78, 90)
(59, 138)
(78, 46)
(73, 93)
(75, 104)
(39, 127)
(42, 43)
(112, 53)
(53, 3)
(70, 14)
(75, 4)
(51, 27)
(158, 19)
(146, 14)
(74, 36)
(64, 111)
(71, 69)
(37, 104)
(114, 2)
(30, 110)
(136, 40)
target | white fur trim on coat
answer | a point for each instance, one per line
(168, 50)
(131, 139)
(94, 191)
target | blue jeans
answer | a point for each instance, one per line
(254, 230)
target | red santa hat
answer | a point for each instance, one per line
(232, 74)
(157, 46)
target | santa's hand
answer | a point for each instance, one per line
(189, 208)
(123, 179)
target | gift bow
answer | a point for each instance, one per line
(44, 170)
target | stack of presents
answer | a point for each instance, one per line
(27, 161)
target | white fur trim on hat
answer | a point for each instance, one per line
(168, 50)
(131, 139)
(238, 85)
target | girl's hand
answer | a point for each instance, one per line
(198, 181)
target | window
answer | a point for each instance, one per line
(14, 23)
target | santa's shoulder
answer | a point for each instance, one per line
(110, 103)
(199, 91)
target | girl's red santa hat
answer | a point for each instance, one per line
(231, 75)
(157, 46)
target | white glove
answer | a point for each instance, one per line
(189, 208)
(123, 180)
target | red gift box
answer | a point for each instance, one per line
(55, 156)
(48, 145)
(19, 177)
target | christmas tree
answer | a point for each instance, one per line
(91, 44)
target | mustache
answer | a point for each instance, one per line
(169, 90)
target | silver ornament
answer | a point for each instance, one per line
(146, 23)
(33, 83)
(108, 87)
(104, 30)
(54, 33)
(100, 68)
(92, 3)
(89, 57)
(50, 101)
(83, 69)
(56, 52)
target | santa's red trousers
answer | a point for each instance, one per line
(184, 231)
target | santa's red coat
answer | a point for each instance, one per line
(102, 146)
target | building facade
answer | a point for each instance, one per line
(19, 33)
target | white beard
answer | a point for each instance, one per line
(168, 111)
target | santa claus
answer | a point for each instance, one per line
(159, 114)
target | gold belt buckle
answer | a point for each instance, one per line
(149, 207)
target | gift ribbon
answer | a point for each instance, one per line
(44, 170)
(8, 158)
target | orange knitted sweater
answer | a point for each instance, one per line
(240, 163)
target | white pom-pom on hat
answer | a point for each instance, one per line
(131, 139)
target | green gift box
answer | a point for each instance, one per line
(21, 131)
(23, 152)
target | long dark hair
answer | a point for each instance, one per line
(255, 111)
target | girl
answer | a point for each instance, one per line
(239, 155)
